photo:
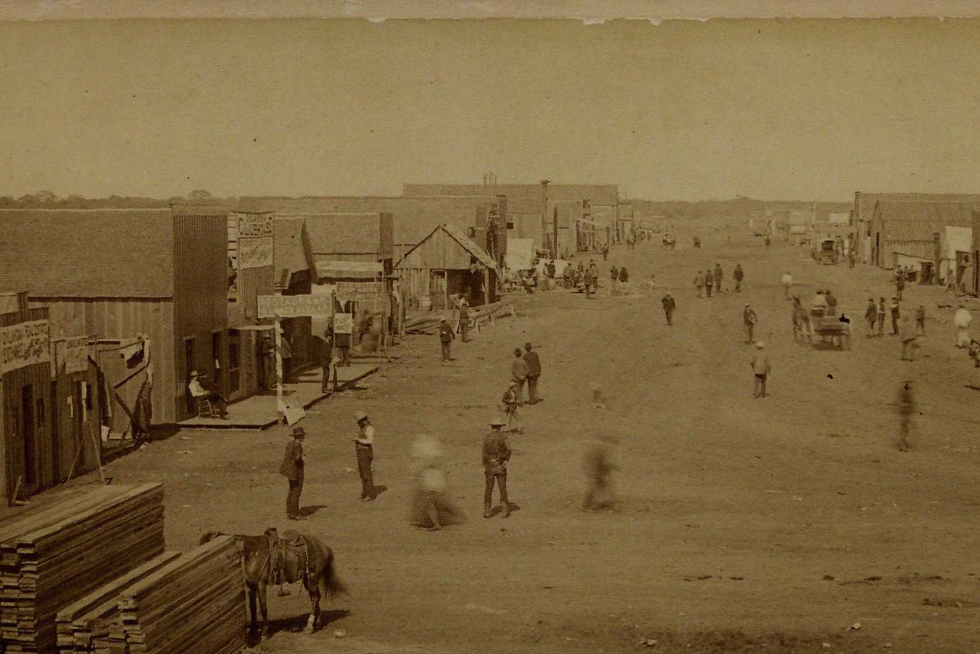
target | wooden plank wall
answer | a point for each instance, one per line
(125, 318)
(37, 376)
(200, 295)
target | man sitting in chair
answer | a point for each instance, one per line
(199, 392)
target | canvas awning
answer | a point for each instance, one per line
(349, 269)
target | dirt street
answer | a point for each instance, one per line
(776, 522)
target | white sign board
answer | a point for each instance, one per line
(24, 345)
(76, 355)
(254, 241)
(359, 291)
(293, 306)
(343, 323)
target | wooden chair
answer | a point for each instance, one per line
(206, 408)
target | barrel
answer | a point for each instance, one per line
(426, 303)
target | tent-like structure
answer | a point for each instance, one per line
(446, 263)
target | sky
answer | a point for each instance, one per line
(685, 110)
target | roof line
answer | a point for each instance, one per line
(110, 209)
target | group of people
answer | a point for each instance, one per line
(525, 368)
(709, 279)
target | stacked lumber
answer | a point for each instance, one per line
(54, 557)
(193, 605)
(429, 323)
(83, 626)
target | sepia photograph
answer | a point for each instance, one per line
(460, 335)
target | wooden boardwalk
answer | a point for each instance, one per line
(259, 411)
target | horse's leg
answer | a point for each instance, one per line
(252, 611)
(261, 592)
(313, 588)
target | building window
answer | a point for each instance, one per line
(510, 224)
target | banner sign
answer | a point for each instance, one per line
(293, 306)
(254, 241)
(76, 354)
(24, 345)
(343, 323)
(359, 291)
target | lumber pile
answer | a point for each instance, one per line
(429, 323)
(193, 605)
(83, 626)
(58, 555)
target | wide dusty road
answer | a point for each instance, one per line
(743, 522)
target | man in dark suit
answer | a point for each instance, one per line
(326, 357)
(292, 469)
(533, 372)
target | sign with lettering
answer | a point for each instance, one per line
(76, 354)
(293, 306)
(24, 345)
(347, 291)
(343, 323)
(254, 241)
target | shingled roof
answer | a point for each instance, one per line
(121, 253)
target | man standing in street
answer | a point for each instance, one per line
(292, 469)
(518, 372)
(267, 351)
(920, 320)
(962, 320)
(787, 284)
(464, 320)
(364, 448)
(899, 283)
(446, 337)
(326, 358)
(718, 277)
(533, 372)
(708, 282)
(870, 315)
(669, 306)
(881, 316)
(496, 454)
(614, 273)
(750, 319)
(761, 367)
(738, 275)
(699, 283)
(895, 309)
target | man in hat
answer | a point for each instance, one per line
(199, 392)
(464, 320)
(750, 319)
(496, 454)
(518, 372)
(267, 353)
(738, 275)
(669, 306)
(787, 280)
(895, 311)
(719, 275)
(511, 400)
(326, 358)
(598, 467)
(446, 337)
(709, 282)
(761, 367)
(533, 372)
(869, 315)
(364, 448)
(292, 469)
(699, 283)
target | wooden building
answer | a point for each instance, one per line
(955, 262)
(153, 280)
(911, 229)
(446, 263)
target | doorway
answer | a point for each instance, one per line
(27, 426)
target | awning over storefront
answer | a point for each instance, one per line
(349, 269)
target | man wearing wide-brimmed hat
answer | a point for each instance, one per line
(364, 448)
(496, 454)
(761, 367)
(292, 469)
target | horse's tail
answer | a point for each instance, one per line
(330, 583)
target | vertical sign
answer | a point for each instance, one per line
(254, 240)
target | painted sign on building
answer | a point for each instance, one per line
(293, 306)
(76, 354)
(343, 323)
(254, 240)
(24, 344)
(347, 291)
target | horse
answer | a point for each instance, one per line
(270, 559)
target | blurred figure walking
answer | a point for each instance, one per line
(962, 320)
(599, 465)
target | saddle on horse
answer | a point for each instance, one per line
(289, 556)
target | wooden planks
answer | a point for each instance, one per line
(50, 559)
(193, 605)
(79, 624)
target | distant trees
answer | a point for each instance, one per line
(199, 194)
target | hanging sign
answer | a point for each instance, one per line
(76, 354)
(293, 306)
(343, 323)
(347, 291)
(24, 344)
(254, 241)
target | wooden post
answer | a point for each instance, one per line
(280, 405)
